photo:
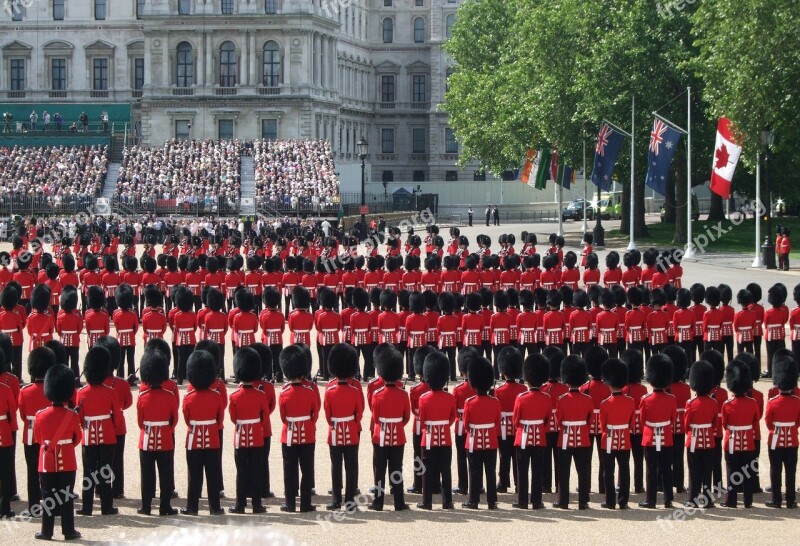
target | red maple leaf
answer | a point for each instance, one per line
(722, 156)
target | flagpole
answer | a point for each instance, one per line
(585, 225)
(757, 262)
(689, 253)
(632, 244)
(560, 214)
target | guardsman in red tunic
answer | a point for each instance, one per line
(500, 325)
(658, 414)
(740, 418)
(775, 319)
(300, 320)
(482, 416)
(56, 288)
(683, 324)
(532, 412)
(344, 408)
(598, 391)
(579, 322)
(728, 315)
(25, 279)
(700, 421)
(698, 294)
(448, 330)
(617, 417)
(527, 323)
(414, 394)
(252, 280)
(69, 326)
(245, 323)
(96, 318)
(9, 390)
(529, 278)
(744, 323)
(462, 392)
(41, 323)
(682, 393)
(157, 416)
(712, 321)
(607, 323)
(299, 409)
(416, 330)
(5, 275)
(265, 384)
(657, 322)
(249, 411)
(132, 278)
(184, 327)
(782, 419)
(57, 432)
(100, 416)
(785, 249)
(273, 324)
(554, 388)
(634, 360)
(110, 281)
(126, 324)
(154, 321)
(437, 413)
(203, 412)
(509, 363)
(574, 412)
(328, 324)
(12, 324)
(553, 322)
(360, 330)
(215, 325)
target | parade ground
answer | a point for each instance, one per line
(678, 526)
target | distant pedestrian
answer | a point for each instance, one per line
(34, 118)
(496, 216)
(59, 120)
(46, 119)
(488, 214)
(469, 214)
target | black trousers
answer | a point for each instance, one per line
(582, 457)
(277, 373)
(579, 348)
(369, 367)
(451, 356)
(6, 478)
(727, 342)
(717, 464)
(16, 361)
(659, 463)
(266, 486)
(701, 463)
(482, 462)
(118, 466)
(323, 363)
(388, 458)
(688, 346)
(165, 462)
(497, 349)
(221, 479)
(438, 463)
(202, 461)
(461, 462)
(409, 363)
(678, 440)
(32, 463)
(94, 459)
(184, 352)
(637, 454)
(716, 345)
(739, 467)
(73, 360)
(344, 457)
(298, 472)
(757, 346)
(747, 347)
(508, 463)
(772, 347)
(249, 467)
(783, 459)
(530, 458)
(529, 349)
(415, 444)
(622, 459)
(550, 462)
(130, 354)
(56, 503)
(597, 443)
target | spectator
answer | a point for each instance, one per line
(46, 119)
(59, 120)
(34, 118)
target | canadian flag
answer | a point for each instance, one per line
(726, 156)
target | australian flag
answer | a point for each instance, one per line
(609, 141)
(663, 143)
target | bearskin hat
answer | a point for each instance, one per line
(343, 361)
(293, 362)
(40, 360)
(509, 362)
(755, 291)
(738, 378)
(659, 371)
(97, 300)
(595, 355)
(389, 364)
(554, 298)
(698, 293)
(701, 377)
(634, 296)
(683, 298)
(59, 384)
(245, 301)
(69, 299)
(95, 365)
(436, 370)
(776, 296)
(465, 356)
(9, 297)
(246, 365)
(570, 259)
(716, 359)
(712, 296)
(573, 371)
(40, 298)
(784, 373)
(154, 368)
(184, 300)
(614, 373)
(680, 362)
(52, 271)
(535, 369)
(301, 299)
(124, 296)
(419, 358)
(480, 375)
(749, 360)
(658, 297)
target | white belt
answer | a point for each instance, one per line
(96, 418)
(237, 442)
(124, 331)
(777, 425)
(526, 425)
(473, 428)
(66, 332)
(387, 421)
(194, 425)
(503, 420)
(428, 425)
(241, 422)
(609, 438)
(735, 429)
(290, 421)
(10, 331)
(658, 431)
(569, 425)
(335, 422)
(694, 436)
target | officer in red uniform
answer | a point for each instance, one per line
(328, 324)
(658, 414)
(554, 322)
(245, 323)
(682, 393)
(391, 411)
(437, 413)
(448, 329)
(215, 325)
(100, 415)
(249, 411)
(740, 418)
(265, 384)
(157, 416)
(184, 327)
(203, 412)
(700, 421)
(360, 330)
(154, 321)
(462, 392)
(598, 391)
(617, 417)
(300, 320)
(41, 323)
(126, 324)
(532, 411)
(57, 432)
(782, 419)
(509, 363)
(69, 326)
(344, 408)
(775, 319)
(299, 409)
(273, 324)
(96, 317)
(414, 395)
(12, 324)
(9, 391)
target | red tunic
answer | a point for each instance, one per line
(328, 325)
(97, 325)
(100, 414)
(344, 408)
(740, 416)
(154, 323)
(272, 324)
(40, 328)
(57, 431)
(617, 419)
(682, 394)
(417, 330)
(12, 324)
(782, 419)
(579, 323)
(683, 325)
(414, 394)
(482, 415)
(553, 324)
(699, 422)
(712, 325)
(606, 325)
(574, 412)
(245, 328)
(635, 325)
(391, 411)
(299, 408)
(123, 391)
(775, 319)
(69, 327)
(8, 409)
(249, 410)
(203, 413)
(27, 281)
(744, 324)
(597, 391)
(185, 326)
(507, 394)
(300, 324)
(656, 325)
(437, 413)
(658, 413)
(31, 401)
(126, 323)
(532, 412)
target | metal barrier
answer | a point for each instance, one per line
(216, 206)
(41, 205)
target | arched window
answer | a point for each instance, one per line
(388, 31)
(419, 30)
(185, 65)
(272, 64)
(227, 65)
(449, 22)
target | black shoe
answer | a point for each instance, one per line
(413, 490)
(448, 506)
(768, 489)
(8, 515)
(236, 510)
(492, 506)
(423, 506)
(41, 536)
(623, 506)
(690, 504)
(174, 495)
(791, 505)
(502, 489)
(680, 489)
(469, 505)
(286, 508)
(402, 508)
(259, 509)
(647, 505)
(561, 506)
(583, 506)
(758, 490)
(539, 506)
(268, 495)
(113, 511)
(459, 491)
(187, 512)
(726, 505)
(519, 506)
(168, 512)
(309, 508)
(144, 511)
(119, 496)
(375, 507)
(83, 512)
(74, 535)
(609, 506)
(222, 494)
(772, 504)
(334, 506)
(668, 504)
(15, 498)
(638, 491)
(765, 374)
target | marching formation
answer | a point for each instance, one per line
(546, 355)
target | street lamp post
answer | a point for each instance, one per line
(362, 148)
(768, 248)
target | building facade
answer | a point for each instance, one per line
(333, 69)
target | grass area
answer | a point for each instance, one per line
(736, 239)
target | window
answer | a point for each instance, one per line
(449, 22)
(451, 176)
(184, 7)
(419, 30)
(140, 8)
(185, 65)
(17, 74)
(419, 3)
(227, 7)
(387, 88)
(182, 129)
(270, 6)
(272, 64)
(418, 140)
(227, 65)
(387, 3)
(58, 10)
(225, 129)
(388, 31)
(17, 11)
(58, 74)
(418, 88)
(450, 143)
(479, 176)
(269, 129)
(138, 72)
(387, 176)
(100, 74)
(387, 141)
(419, 176)
(100, 8)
